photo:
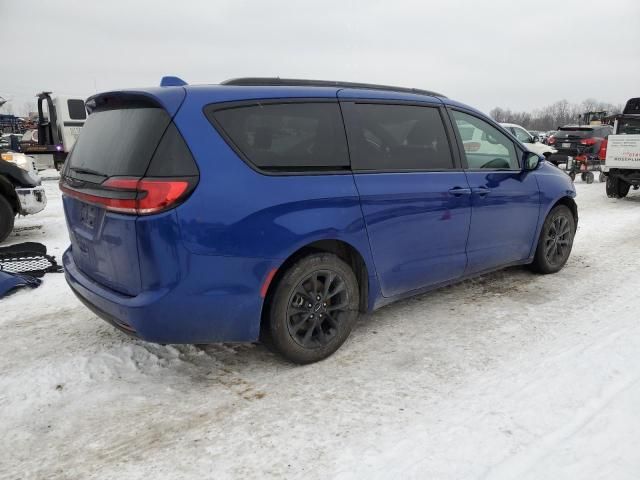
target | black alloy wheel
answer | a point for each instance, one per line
(556, 240)
(313, 308)
(316, 307)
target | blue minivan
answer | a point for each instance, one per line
(279, 209)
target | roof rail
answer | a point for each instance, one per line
(295, 82)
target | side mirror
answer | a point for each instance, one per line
(531, 161)
(535, 139)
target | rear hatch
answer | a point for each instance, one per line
(129, 161)
(568, 141)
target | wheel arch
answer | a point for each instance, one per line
(343, 250)
(566, 200)
(570, 203)
(7, 190)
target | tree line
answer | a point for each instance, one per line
(555, 115)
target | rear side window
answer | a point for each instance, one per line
(397, 137)
(286, 136)
(76, 109)
(118, 142)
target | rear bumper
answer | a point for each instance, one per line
(196, 310)
(32, 200)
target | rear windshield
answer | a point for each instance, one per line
(118, 142)
(575, 132)
(629, 126)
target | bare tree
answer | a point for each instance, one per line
(554, 115)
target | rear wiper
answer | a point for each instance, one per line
(87, 171)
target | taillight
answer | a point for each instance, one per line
(551, 140)
(135, 196)
(588, 141)
(602, 153)
(158, 195)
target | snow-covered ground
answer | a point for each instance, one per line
(512, 375)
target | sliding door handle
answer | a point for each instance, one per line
(482, 191)
(459, 191)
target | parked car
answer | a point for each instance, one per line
(548, 135)
(542, 136)
(20, 189)
(530, 141)
(579, 142)
(280, 209)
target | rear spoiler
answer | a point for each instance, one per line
(168, 98)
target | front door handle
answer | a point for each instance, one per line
(458, 191)
(482, 191)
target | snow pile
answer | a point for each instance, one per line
(512, 375)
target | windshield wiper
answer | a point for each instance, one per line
(87, 171)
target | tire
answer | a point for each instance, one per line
(7, 217)
(551, 255)
(296, 330)
(583, 176)
(589, 177)
(616, 188)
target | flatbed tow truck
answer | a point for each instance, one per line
(59, 125)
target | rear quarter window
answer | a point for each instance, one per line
(301, 136)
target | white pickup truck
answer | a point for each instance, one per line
(21, 191)
(622, 161)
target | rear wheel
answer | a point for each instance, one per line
(556, 240)
(7, 216)
(589, 177)
(616, 187)
(313, 308)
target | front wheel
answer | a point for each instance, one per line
(556, 241)
(313, 308)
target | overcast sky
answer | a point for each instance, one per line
(520, 55)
